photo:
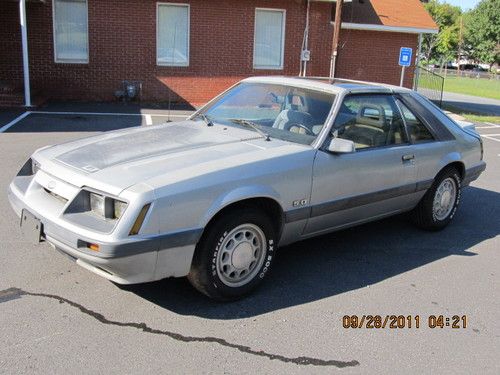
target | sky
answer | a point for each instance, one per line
(464, 4)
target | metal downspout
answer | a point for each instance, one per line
(24, 39)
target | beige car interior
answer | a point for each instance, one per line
(297, 119)
(371, 127)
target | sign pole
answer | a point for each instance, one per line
(405, 54)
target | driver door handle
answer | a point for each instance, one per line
(408, 157)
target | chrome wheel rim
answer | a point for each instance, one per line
(241, 255)
(444, 199)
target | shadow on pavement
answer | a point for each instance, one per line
(475, 108)
(341, 262)
(91, 117)
(7, 115)
(49, 123)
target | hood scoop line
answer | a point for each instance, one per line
(141, 144)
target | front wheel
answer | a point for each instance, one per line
(234, 255)
(440, 202)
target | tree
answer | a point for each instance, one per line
(483, 32)
(442, 46)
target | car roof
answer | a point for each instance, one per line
(323, 84)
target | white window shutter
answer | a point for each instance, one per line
(269, 41)
(71, 31)
(173, 35)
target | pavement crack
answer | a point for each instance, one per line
(14, 293)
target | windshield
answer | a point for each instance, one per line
(283, 112)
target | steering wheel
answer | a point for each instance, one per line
(301, 126)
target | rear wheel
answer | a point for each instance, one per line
(234, 255)
(440, 202)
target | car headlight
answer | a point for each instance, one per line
(106, 207)
(97, 204)
(29, 168)
(35, 166)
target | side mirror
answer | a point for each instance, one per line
(341, 146)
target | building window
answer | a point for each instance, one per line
(71, 41)
(269, 39)
(172, 40)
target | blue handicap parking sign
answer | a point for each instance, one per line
(405, 56)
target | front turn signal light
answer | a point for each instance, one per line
(140, 219)
(93, 246)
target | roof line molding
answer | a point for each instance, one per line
(394, 29)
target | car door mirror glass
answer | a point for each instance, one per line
(341, 146)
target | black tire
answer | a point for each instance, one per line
(423, 215)
(204, 275)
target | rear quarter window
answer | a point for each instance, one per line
(435, 120)
(417, 131)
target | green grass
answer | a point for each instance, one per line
(486, 88)
(482, 87)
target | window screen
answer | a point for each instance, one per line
(173, 35)
(71, 31)
(269, 40)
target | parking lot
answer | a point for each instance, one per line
(56, 317)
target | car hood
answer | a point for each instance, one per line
(123, 158)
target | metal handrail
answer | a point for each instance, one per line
(430, 85)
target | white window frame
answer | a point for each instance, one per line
(266, 67)
(188, 6)
(68, 61)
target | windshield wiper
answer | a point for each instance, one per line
(205, 118)
(251, 124)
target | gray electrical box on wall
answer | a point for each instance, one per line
(305, 55)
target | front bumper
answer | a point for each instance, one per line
(134, 260)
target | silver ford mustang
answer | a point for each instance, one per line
(269, 162)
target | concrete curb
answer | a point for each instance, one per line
(462, 121)
(455, 117)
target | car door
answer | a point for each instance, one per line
(429, 141)
(376, 180)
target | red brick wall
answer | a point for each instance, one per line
(362, 55)
(11, 59)
(381, 64)
(122, 46)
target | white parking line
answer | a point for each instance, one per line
(489, 125)
(15, 121)
(108, 114)
(491, 138)
(148, 116)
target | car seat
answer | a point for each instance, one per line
(290, 117)
(370, 130)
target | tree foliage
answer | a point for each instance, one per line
(483, 32)
(444, 44)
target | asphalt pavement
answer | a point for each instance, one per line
(58, 318)
(473, 104)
